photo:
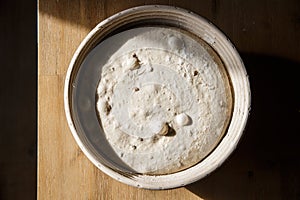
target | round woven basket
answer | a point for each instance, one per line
(82, 120)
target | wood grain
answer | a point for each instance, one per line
(63, 171)
(253, 172)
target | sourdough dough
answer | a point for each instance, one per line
(164, 99)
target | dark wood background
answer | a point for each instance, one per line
(266, 33)
(18, 102)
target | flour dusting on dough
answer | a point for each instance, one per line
(164, 100)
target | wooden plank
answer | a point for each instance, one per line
(63, 170)
(255, 27)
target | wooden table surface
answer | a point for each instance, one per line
(265, 164)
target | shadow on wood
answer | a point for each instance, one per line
(266, 162)
(18, 103)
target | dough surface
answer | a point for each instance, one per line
(164, 100)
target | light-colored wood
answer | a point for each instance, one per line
(63, 170)
(265, 164)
